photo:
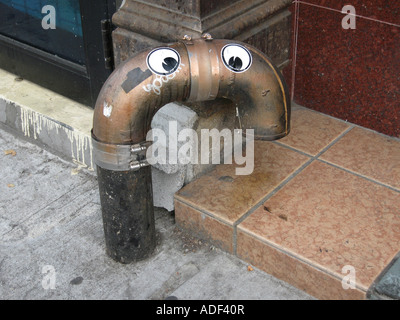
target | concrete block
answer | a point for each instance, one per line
(173, 117)
(164, 187)
(168, 178)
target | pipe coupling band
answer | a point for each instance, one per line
(204, 70)
(119, 157)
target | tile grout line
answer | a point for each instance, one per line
(360, 175)
(208, 214)
(300, 107)
(351, 126)
(293, 149)
(296, 106)
(317, 158)
(283, 183)
(305, 261)
(340, 136)
(268, 196)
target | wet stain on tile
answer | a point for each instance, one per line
(226, 179)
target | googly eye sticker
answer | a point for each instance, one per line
(163, 61)
(236, 57)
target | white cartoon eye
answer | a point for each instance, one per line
(163, 61)
(236, 57)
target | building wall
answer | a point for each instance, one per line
(352, 74)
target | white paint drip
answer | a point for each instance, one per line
(33, 122)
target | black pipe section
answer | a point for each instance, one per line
(128, 213)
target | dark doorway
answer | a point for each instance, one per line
(62, 45)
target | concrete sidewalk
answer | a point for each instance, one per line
(52, 243)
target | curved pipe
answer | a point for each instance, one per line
(191, 70)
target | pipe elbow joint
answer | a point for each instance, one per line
(192, 70)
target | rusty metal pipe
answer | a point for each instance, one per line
(190, 70)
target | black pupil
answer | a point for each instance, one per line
(235, 63)
(169, 64)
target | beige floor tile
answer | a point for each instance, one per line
(228, 196)
(368, 153)
(311, 131)
(329, 218)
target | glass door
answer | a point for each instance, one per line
(57, 43)
(51, 25)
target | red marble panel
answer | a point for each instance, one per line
(384, 10)
(350, 74)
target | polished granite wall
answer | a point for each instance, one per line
(350, 74)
